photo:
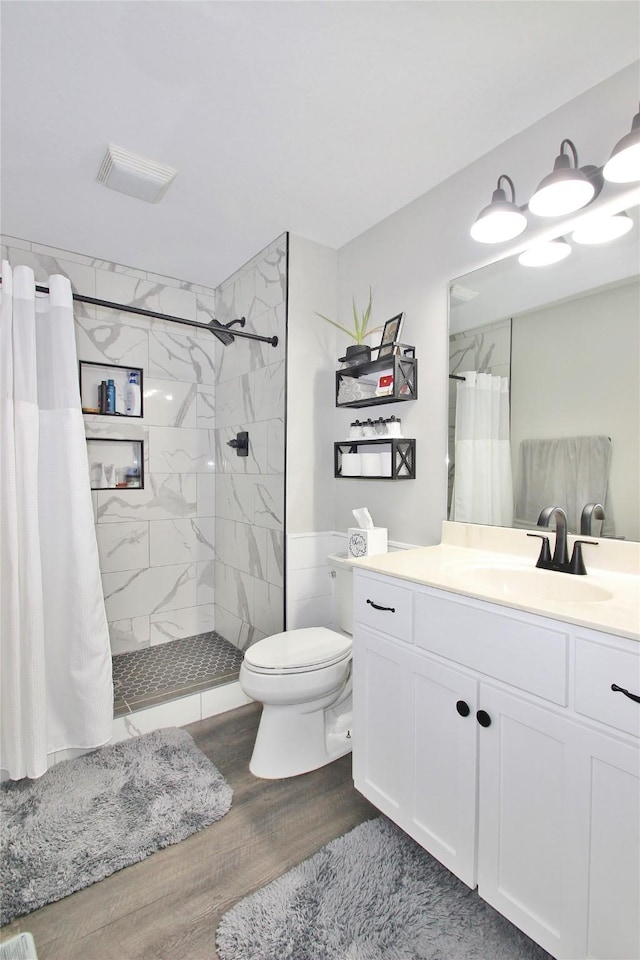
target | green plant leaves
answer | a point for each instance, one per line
(360, 321)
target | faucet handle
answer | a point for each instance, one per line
(576, 564)
(545, 550)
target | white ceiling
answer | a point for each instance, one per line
(317, 117)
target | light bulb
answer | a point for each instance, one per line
(562, 196)
(624, 164)
(603, 229)
(563, 190)
(500, 220)
(544, 254)
(498, 224)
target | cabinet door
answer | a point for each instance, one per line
(443, 785)
(524, 826)
(608, 785)
(381, 749)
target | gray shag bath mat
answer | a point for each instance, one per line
(86, 818)
(372, 894)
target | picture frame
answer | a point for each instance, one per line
(390, 336)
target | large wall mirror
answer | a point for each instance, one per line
(559, 347)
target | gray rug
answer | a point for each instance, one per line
(86, 818)
(372, 894)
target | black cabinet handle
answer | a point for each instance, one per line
(377, 607)
(463, 708)
(632, 696)
(483, 718)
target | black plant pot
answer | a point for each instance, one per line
(357, 353)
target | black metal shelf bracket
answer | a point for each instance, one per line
(403, 457)
(403, 370)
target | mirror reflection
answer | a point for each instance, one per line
(544, 395)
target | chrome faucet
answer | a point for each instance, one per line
(590, 512)
(559, 561)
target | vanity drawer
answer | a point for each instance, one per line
(597, 668)
(529, 654)
(384, 605)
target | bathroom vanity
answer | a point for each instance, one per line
(486, 727)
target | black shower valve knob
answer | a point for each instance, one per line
(240, 444)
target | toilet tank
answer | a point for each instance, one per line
(341, 567)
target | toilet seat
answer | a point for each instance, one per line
(298, 651)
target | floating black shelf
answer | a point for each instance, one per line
(402, 367)
(403, 458)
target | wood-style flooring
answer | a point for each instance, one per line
(168, 906)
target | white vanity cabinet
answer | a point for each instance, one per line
(540, 806)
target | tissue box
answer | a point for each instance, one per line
(366, 543)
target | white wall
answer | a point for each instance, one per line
(409, 259)
(310, 385)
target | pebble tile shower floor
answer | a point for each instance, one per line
(165, 672)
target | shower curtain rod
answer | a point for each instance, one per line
(220, 330)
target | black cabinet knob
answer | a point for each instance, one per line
(463, 708)
(483, 718)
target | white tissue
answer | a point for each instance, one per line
(363, 518)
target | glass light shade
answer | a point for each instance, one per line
(499, 221)
(624, 164)
(603, 229)
(561, 192)
(544, 254)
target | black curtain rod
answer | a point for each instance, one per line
(214, 326)
(453, 376)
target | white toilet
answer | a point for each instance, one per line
(303, 679)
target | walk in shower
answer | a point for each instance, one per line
(240, 578)
(192, 555)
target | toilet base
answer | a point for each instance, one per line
(291, 742)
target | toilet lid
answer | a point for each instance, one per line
(295, 649)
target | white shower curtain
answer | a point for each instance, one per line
(483, 485)
(54, 644)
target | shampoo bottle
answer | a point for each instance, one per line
(111, 397)
(133, 403)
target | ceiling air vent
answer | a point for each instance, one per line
(134, 175)
(462, 294)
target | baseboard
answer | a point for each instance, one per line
(181, 712)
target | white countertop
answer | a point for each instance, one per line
(447, 566)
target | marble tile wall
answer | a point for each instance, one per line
(485, 349)
(249, 494)
(157, 550)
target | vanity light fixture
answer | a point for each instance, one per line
(502, 219)
(623, 166)
(544, 254)
(603, 229)
(564, 190)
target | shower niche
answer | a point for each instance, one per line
(116, 464)
(93, 375)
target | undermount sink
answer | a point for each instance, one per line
(514, 583)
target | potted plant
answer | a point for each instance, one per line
(359, 351)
